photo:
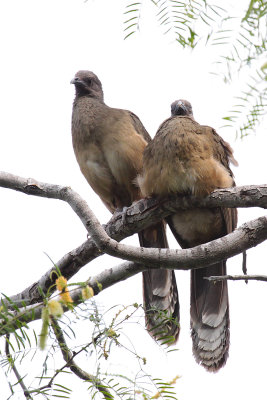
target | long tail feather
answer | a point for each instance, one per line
(210, 317)
(160, 294)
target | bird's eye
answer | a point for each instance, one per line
(88, 81)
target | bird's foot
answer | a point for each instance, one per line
(122, 213)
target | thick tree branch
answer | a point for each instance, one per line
(105, 279)
(140, 215)
(24, 315)
(243, 196)
(248, 235)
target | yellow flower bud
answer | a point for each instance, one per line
(111, 333)
(87, 292)
(55, 308)
(61, 283)
(66, 297)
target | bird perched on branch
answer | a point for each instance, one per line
(109, 144)
(188, 158)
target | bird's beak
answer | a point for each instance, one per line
(178, 108)
(181, 106)
(74, 81)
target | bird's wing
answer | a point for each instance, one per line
(139, 127)
(221, 149)
(223, 153)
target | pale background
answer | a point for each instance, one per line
(43, 44)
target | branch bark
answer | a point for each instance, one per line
(248, 235)
(245, 278)
(140, 215)
(24, 314)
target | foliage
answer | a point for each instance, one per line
(242, 39)
(251, 106)
(105, 330)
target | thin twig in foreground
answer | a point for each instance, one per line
(12, 364)
(68, 357)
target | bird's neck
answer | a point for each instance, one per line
(92, 95)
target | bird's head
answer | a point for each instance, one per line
(87, 84)
(181, 107)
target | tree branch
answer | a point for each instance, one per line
(145, 211)
(68, 357)
(140, 215)
(23, 315)
(13, 366)
(248, 235)
(245, 278)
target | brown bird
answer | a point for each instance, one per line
(109, 144)
(188, 158)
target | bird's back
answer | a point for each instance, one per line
(182, 159)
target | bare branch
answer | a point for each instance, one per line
(71, 263)
(138, 216)
(262, 278)
(104, 279)
(246, 236)
(145, 211)
(23, 315)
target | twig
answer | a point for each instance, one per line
(68, 357)
(262, 278)
(58, 371)
(12, 364)
(244, 264)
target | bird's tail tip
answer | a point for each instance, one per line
(209, 352)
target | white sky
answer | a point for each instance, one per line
(43, 44)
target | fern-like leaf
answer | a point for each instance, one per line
(132, 11)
